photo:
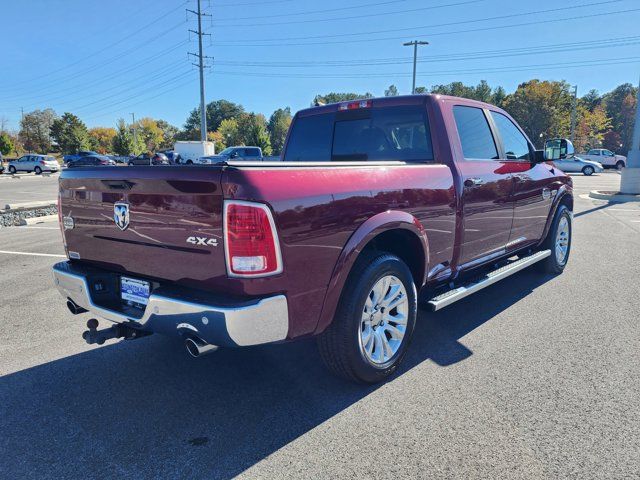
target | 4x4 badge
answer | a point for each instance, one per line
(121, 215)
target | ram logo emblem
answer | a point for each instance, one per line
(121, 215)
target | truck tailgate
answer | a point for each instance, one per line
(162, 223)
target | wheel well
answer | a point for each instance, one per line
(567, 201)
(406, 246)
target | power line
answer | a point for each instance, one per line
(111, 45)
(498, 27)
(487, 54)
(312, 12)
(367, 15)
(448, 24)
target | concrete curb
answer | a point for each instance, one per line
(618, 197)
(36, 220)
(13, 207)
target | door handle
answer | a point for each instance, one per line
(472, 182)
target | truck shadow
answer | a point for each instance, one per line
(145, 409)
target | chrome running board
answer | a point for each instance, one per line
(451, 296)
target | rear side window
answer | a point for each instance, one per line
(392, 133)
(475, 134)
(310, 139)
(516, 146)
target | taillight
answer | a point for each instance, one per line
(42, 162)
(251, 242)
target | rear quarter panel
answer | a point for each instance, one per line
(317, 210)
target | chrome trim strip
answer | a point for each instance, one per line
(492, 277)
(263, 322)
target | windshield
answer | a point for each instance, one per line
(226, 151)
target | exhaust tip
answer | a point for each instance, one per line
(75, 309)
(197, 347)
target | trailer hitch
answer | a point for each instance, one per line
(93, 335)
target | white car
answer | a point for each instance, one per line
(578, 164)
(607, 158)
(34, 163)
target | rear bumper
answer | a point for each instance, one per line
(177, 311)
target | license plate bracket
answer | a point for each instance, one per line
(134, 291)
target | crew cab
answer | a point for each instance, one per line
(607, 158)
(232, 153)
(376, 205)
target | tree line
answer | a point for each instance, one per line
(543, 109)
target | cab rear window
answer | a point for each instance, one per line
(379, 134)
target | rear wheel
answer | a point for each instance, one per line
(38, 170)
(588, 170)
(374, 321)
(558, 241)
(189, 162)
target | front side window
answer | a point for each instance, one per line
(516, 146)
(475, 134)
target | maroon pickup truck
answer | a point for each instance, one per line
(376, 205)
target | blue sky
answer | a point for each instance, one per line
(103, 60)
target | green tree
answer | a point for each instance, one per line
(70, 133)
(542, 108)
(230, 132)
(35, 130)
(101, 139)
(620, 105)
(591, 128)
(421, 90)
(334, 97)
(499, 96)
(124, 143)
(392, 91)
(217, 139)
(169, 133)
(278, 127)
(217, 111)
(150, 133)
(591, 100)
(6, 145)
(253, 128)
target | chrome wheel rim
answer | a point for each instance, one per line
(384, 320)
(562, 240)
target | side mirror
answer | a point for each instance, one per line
(558, 149)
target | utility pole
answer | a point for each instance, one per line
(200, 65)
(574, 113)
(22, 125)
(415, 44)
(135, 129)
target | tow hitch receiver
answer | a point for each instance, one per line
(93, 335)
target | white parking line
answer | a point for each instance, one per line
(33, 254)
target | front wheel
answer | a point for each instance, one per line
(12, 169)
(558, 241)
(588, 171)
(620, 165)
(189, 162)
(374, 321)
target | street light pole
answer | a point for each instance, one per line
(415, 44)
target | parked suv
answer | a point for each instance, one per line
(607, 158)
(376, 204)
(148, 159)
(233, 153)
(34, 163)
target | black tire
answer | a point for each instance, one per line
(620, 165)
(37, 170)
(553, 264)
(130, 164)
(12, 169)
(340, 345)
(189, 162)
(588, 170)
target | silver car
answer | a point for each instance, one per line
(578, 164)
(34, 163)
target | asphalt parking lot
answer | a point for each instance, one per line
(535, 377)
(27, 187)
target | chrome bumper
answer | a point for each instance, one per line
(255, 322)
